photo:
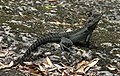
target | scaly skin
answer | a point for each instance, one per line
(78, 36)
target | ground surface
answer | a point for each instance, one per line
(22, 21)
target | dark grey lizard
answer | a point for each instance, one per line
(66, 39)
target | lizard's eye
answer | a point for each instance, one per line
(89, 21)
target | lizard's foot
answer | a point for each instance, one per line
(65, 44)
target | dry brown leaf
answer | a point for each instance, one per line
(63, 64)
(68, 68)
(46, 65)
(11, 63)
(28, 63)
(58, 66)
(4, 52)
(23, 68)
(84, 66)
(42, 69)
(110, 67)
(33, 69)
(64, 73)
(82, 63)
(2, 66)
(118, 71)
(81, 67)
(49, 61)
(52, 69)
(38, 72)
(91, 64)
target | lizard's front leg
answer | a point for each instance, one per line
(87, 41)
(65, 44)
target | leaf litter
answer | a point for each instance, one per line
(111, 8)
(47, 67)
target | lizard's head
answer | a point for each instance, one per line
(93, 21)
